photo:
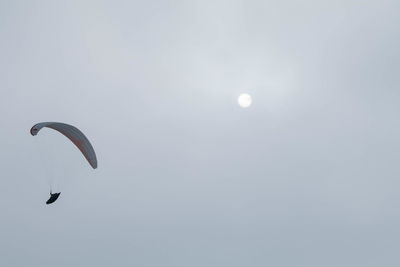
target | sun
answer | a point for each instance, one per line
(244, 100)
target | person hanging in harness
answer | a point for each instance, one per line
(53, 197)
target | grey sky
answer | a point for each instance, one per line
(307, 176)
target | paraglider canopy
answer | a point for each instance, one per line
(73, 134)
(53, 198)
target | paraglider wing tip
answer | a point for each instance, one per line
(34, 131)
(93, 163)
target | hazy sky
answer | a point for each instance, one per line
(309, 175)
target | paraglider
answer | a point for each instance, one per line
(53, 198)
(76, 137)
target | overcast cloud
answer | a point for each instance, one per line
(307, 176)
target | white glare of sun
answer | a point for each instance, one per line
(244, 100)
